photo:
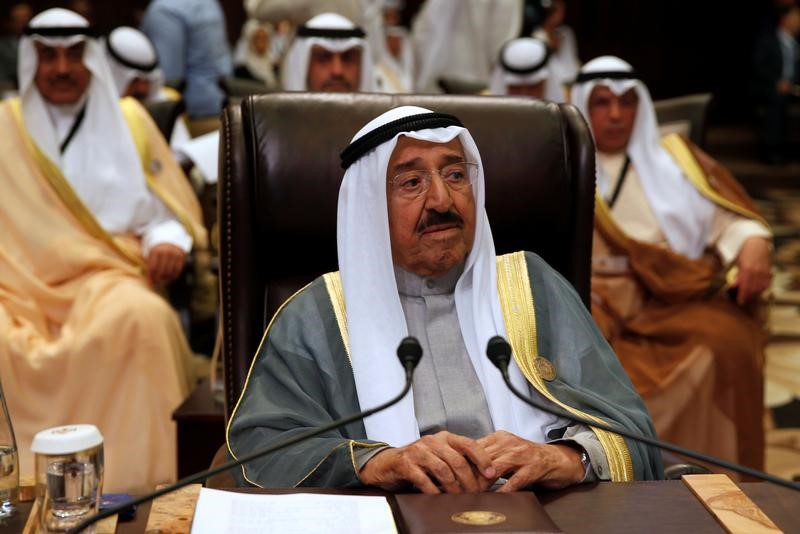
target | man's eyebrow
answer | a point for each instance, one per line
(447, 159)
(406, 165)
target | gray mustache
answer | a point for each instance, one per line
(433, 217)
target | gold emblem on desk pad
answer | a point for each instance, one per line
(478, 517)
(544, 368)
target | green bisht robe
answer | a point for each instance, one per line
(301, 378)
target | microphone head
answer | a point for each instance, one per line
(499, 352)
(409, 351)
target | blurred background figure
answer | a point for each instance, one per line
(192, 46)
(395, 67)
(776, 62)
(461, 40)
(564, 62)
(329, 53)
(134, 66)
(366, 14)
(523, 68)
(133, 62)
(14, 16)
(253, 58)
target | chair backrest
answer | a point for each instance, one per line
(279, 181)
(237, 89)
(455, 86)
(687, 115)
(164, 114)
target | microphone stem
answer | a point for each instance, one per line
(650, 441)
(244, 459)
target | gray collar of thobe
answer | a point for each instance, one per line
(414, 285)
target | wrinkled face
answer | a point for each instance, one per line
(139, 88)
(535, 90)
(338, 72)
(433, 233)
(61, 76)
(613, 118)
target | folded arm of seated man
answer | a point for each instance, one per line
(414, 205)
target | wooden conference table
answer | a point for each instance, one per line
(665, 506)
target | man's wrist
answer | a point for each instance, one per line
(576, 459)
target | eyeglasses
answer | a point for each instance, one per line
(413, 184)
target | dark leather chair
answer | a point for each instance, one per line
(164, 114)
(279, 181)
(685, 114)
(237, 89)
(455, 86)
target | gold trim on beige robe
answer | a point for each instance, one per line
(83, 338)
(692, 353)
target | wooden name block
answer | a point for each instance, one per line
(729, 505)
(173, 512)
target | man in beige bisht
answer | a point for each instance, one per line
(96, 215)
(680, 259)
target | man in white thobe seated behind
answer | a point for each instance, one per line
(97, 218)
(412, 201)
(329, 53)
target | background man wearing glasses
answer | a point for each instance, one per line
(417, 258)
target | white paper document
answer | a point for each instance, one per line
(219, 512)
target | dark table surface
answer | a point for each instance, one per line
(666, 506)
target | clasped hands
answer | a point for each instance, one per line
(450, 463)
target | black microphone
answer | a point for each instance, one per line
(409, 352)
(499, 352)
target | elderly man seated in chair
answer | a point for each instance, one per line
(416, 256)
(97, 217)
(680, 258)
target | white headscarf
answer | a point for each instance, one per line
(524, 61)
(375, 318)
(101, 163)
(684, 215)
(131, 55)
(260, 66)
(295, 65)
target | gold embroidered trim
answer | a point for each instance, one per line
(64, 190)
(130, 110)
(519, 313)
(333, 283)
(603, 214)
(350, 443)
(683, 156)
(247, 381)
(339, 446)
(363, 445)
